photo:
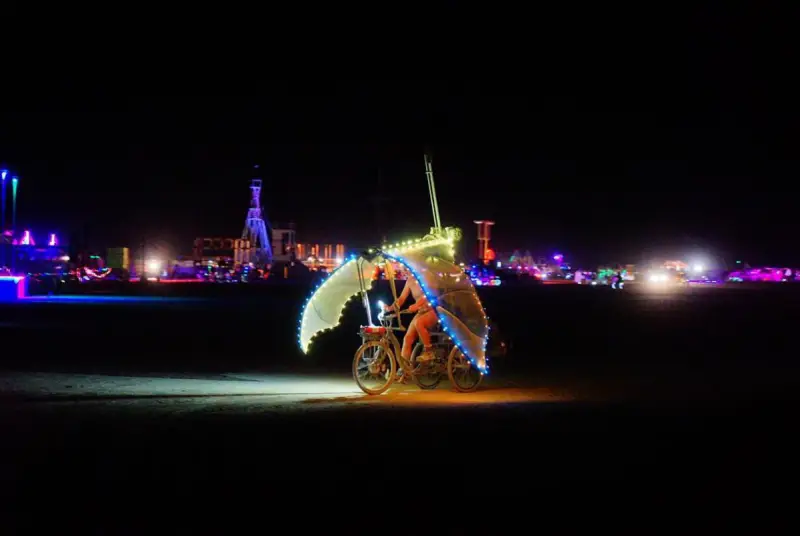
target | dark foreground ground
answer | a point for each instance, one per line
(686, 399)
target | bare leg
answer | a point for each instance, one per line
(410, 339)
(423, 324)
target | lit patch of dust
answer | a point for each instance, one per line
(412, 396)
(240, 394)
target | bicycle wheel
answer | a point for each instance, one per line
(464, 377)
(428, 375)
(374, 367)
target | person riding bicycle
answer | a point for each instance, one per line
(422, 322)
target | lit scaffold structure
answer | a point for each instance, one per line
(256, 230)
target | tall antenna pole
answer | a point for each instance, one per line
(437, 224)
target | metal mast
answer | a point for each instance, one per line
(437, 224)
(377, 201)
(255, 228)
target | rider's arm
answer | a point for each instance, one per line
(402, 298)
(417, 305)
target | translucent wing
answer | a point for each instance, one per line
(457, 304)
(324, 308)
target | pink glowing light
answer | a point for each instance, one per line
(99, 274)
(53, 240)
(759, 274)
(170, 281)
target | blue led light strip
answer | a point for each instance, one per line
(434, 302)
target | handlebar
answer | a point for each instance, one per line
(392, 315)
(386, 319)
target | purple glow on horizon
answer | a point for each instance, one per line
(765, 274)
(558, 257)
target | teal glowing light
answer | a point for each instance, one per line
(14, 182)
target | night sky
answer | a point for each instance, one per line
(693, 148)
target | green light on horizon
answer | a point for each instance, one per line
(14, 181)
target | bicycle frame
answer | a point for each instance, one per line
(386, 320)
(369, 333)
(386, 332)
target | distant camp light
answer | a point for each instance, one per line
(153, 265)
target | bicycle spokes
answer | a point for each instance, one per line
(374, 367)
(464, 375)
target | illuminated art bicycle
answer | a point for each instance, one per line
(460, 339)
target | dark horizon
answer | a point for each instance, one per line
(600, 181)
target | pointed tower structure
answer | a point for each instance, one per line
(256, 227)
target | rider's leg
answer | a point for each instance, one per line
(410, 339)
(408, 344)
(424, 323)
